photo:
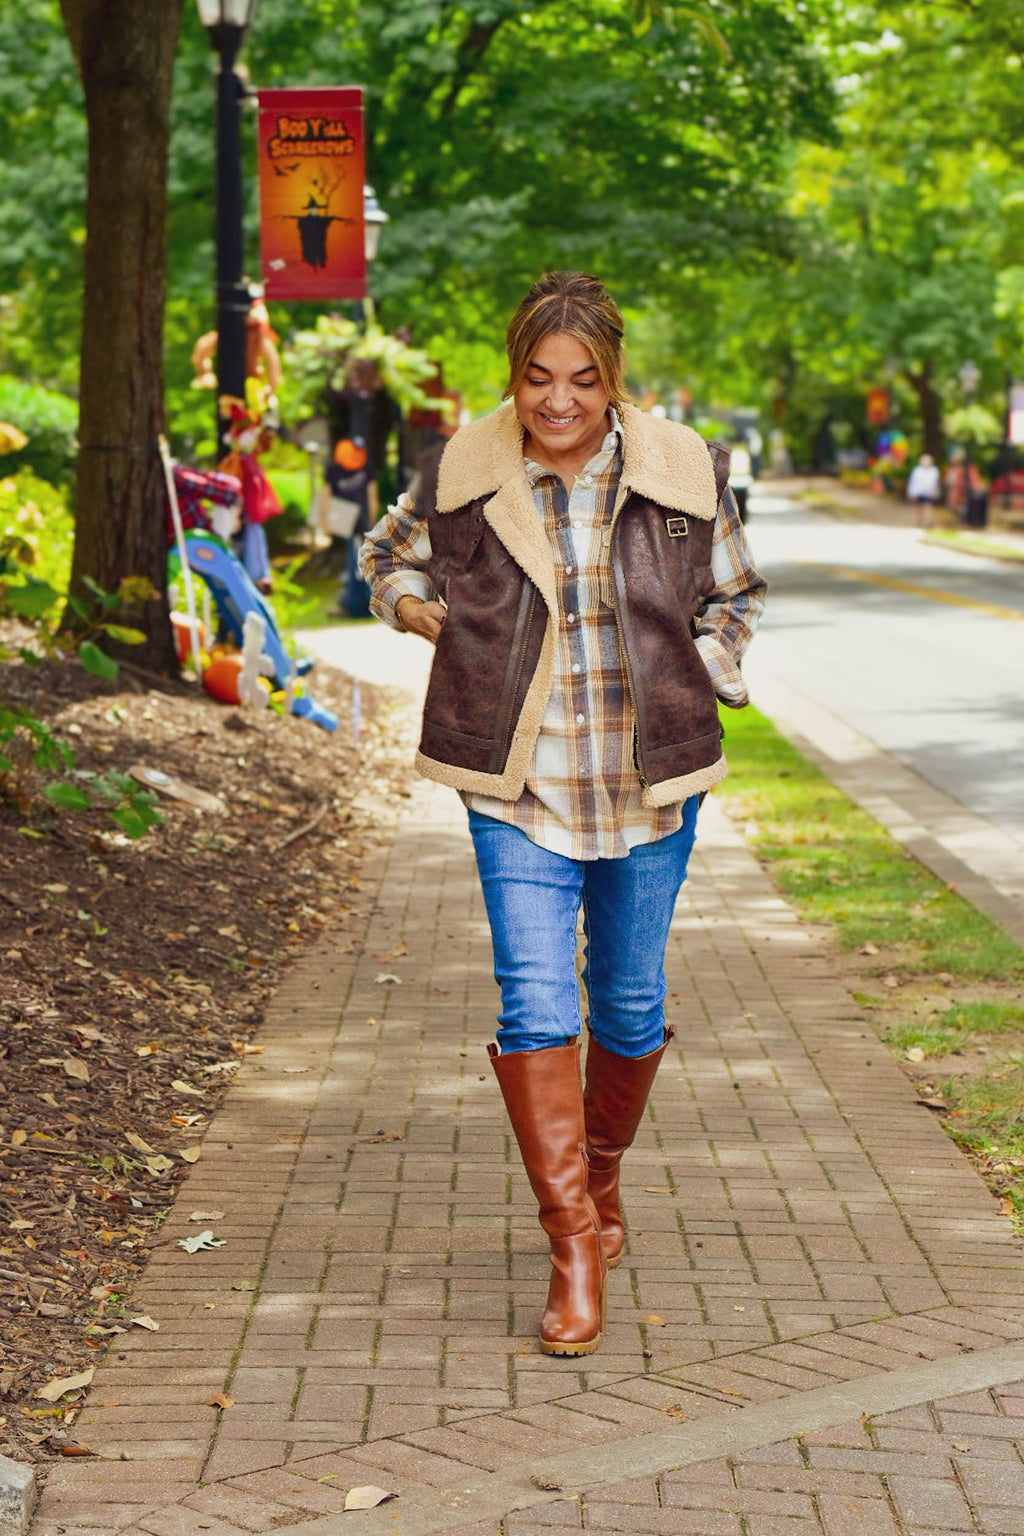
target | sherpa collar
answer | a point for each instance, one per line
(662, 460)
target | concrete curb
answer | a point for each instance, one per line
(17, 1497)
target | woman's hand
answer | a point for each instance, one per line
(421, 618)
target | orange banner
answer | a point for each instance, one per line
(311, 193)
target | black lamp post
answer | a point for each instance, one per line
(227, 22)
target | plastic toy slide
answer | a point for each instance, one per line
(235, 596)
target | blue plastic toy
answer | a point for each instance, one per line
(235, 595)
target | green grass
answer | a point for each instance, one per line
(837, 865)
(956, 1028)
(953, 538)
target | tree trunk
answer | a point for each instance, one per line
(931, 410)
(125, 51)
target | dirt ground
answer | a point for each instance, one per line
(133, 977)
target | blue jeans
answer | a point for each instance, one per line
(533, 898)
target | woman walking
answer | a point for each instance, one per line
(583, 573)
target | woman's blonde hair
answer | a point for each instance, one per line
(569, 304)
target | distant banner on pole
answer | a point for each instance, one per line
(311, 193)
(1016, 423)
(877, 409)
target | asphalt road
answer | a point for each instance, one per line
(918, 648)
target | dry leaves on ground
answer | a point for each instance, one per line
(134, 977)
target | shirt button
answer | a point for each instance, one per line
(570, 618)
(568, 570)
(579, 719)
(577, 525)
(576, 666)
(588, 479)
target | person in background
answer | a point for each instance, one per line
(581, 569)
(741, 477)
(348, 510)
(924, 487)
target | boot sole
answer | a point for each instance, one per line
(586, 1348)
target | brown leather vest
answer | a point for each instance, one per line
(492, 636)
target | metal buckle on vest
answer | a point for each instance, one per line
(677, 527)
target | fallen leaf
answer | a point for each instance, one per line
(182, 1087)
(548, 1484)
(54, 1390)
(139, 1145)
(190, 1154)
(385, 978)
(56, 890)
(296, 1069)
(244, 1048)
(145, 1050)
(915, 1053)
(74, 1449)
(19, 1138)
(145, 1322)
(222, 1400)
(206, 1215)
(158, 1164)
(654, 1321)
(243, 1285)
(368, 1496)
(201, 1242)
(76, 1069)
(657, 1189)
(21, 1226)
(868, 949)
(890, 981)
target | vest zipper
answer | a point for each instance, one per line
(512, 682)
(616, 575)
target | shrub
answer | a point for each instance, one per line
(49, 421)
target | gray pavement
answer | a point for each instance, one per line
(899, 668)
(818, 1329)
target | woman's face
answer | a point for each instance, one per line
(560, 399)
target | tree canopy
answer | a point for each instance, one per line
(788, 196)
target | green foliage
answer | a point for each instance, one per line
(30, 751)
(36, 529)
(635, 139)
(49, 421)
(318, 361)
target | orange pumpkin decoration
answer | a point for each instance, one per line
(221, 677)
(350, 454)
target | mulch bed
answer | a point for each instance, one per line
(135, 974)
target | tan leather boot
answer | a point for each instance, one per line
(614, 1101)
(544, 1098)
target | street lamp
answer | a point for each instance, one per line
(374, 219)
(226, 22)
(970, 377)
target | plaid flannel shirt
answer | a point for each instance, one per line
(582, 796)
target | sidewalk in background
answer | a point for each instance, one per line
(891, 512)
(818, 1329)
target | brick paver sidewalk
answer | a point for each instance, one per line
(817, 1328)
